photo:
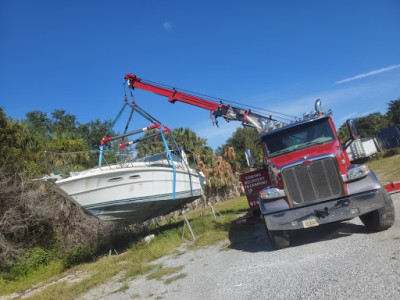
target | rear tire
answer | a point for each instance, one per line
(380, 219)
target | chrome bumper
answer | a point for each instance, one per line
(327, 212)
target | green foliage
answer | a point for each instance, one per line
(78, 255)
(32, 260)
(343, 133)
(188, 140)
(153, 144)
(10, 146)
(67, 145)
(370, 124)
(63, 124)
(38, 122)
(185, 138)
(367, 126)
(394, 112)
(93, 131)
(25, 143)
(243, 139)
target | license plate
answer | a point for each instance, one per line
(310, 223)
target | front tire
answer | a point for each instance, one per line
(382, 218)
(279, 238)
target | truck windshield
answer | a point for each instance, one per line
(298, 137)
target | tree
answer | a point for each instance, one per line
(343, 133)
(189, 140)
(11, 154)
(185, 138)
(242, 139)
(93, 131)
(394, 112)
(370, 124)
(63, 124)
(367, 126)
(38, 121)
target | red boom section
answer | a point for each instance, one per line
(229, 113)
(172, 95)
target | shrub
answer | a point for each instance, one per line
(32, 260)
(78, 255)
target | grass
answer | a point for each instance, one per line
(122, 289)
(136, 260)
(40, 276)
(174, 278)
(386, 169)
(161, 272)
(176, 253)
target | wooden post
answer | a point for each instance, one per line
(188, 225)
(213, 211)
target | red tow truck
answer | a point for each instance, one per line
(307, 178)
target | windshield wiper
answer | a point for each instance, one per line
(280, 152)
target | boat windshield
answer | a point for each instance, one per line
(298, 137)
(156, 158)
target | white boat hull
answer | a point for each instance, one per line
(132, 193)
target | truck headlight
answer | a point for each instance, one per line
(272, 193)
(357, 172)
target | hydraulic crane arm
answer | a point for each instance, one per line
(229, 113)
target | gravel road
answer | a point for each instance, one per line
(335, 261)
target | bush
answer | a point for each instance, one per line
(78, 255)
(33, 218)
(386, 153)
(32, 260)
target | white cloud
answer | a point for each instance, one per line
(368, 112)
(346, 117)
(167, 26)
(374, 72)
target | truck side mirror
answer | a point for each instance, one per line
(353, 130)
(251, 162)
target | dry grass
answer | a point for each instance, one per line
(174, 278)
(161, 272)
(123, 288)
(386, 169)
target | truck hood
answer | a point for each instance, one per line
(306, 153)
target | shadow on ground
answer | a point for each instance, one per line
(253, 238)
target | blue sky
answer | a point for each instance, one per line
(278, 55)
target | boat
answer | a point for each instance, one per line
(135, 191)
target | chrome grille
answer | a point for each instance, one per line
(316, 182)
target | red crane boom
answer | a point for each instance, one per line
(229, 113)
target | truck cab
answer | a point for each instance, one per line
(312, 181)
